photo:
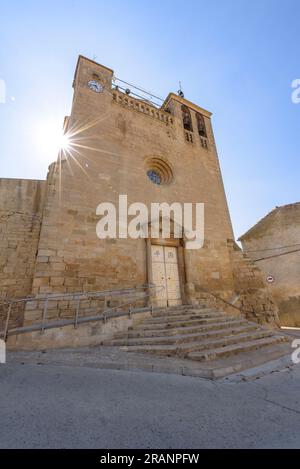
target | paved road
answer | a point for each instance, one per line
(56, 406)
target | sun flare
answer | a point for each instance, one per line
(51, 140)
(64, 142)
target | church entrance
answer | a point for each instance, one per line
(165, 273)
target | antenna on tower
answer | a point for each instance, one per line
(180, 92)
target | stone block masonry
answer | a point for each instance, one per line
(21, 207)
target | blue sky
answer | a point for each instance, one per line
(236, 58)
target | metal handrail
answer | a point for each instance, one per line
(97, 294)
(107, 313)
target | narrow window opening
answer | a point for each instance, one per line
(186, 118)
(201, 125)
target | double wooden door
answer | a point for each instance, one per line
(165, 273)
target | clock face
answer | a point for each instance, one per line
(95, 86)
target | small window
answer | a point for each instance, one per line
(154, 176)
(186, 118)
(201, 125)
(159, 171)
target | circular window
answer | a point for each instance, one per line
(159, 171)
(154, 176)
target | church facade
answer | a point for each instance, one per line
(121, 144)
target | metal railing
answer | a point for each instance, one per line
(133, 295)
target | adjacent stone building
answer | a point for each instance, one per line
(122, 144)
(274, 244)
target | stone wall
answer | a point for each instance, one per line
(21, 204)
(255, 300)
(240, 288)
(277, 240)
(90, 334)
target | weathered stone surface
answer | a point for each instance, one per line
(21, 203)
(274, 244)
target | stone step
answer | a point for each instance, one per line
(136, 333)
(182, 339)
(178, 317)
(169, 312)
(163, 310)
(183, 323)
(185, 348)
(235, 349)
(199, 334)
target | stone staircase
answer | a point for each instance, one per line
(195, 333)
